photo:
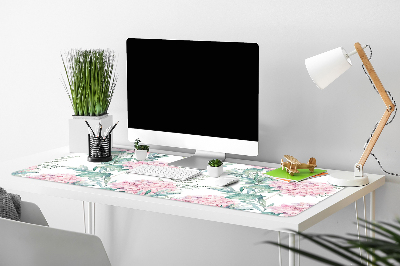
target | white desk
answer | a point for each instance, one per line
(297, 223)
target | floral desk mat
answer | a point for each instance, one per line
(255, 192)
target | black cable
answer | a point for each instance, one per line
(387, 123)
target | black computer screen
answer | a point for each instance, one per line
(193, 87)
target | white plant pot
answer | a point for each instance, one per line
(78, 130)
(215, 171)
(141, 155)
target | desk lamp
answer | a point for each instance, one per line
(323, 70)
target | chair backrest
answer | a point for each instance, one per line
(32, 214)
(36, 245)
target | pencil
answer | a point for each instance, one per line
(112, 129)
(89, 127)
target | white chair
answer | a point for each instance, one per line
(32, 243)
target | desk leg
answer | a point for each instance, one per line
(292, 238)
(372, 210)
(372, 214)
(89, 214)
(298, 247)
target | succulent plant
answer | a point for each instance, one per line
(215, 163)
(140, 147)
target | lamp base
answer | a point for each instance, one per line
(348, 180)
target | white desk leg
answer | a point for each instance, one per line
(89, 214)
(372, 212)
(279, 249)
(292, 244)
(372, 209)
(298, 247)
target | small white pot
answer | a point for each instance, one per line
(141, 155)
(215, 171)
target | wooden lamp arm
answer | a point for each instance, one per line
(371, 71)
(389, 109)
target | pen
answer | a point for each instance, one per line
(89, 127)
(100, 127)
(112, 129)
(106, 132)
(90, 132)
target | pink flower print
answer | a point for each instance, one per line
(125, 150)
(304, 188)
(143, 186)
(133, 164)
(258, 167)
(60, 178)
(290, 209)
(262, 167)
(211, 200)
(32, 168)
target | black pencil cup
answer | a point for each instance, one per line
(99, 149)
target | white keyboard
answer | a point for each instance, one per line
(166, 172)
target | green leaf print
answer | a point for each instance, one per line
(262, 202)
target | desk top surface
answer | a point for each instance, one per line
(256, 200)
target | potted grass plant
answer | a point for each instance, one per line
(215, 168)
(90, 83)
(140, 150)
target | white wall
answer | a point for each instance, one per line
(295, 117)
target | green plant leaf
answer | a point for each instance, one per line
(388, 247)
(91, 80)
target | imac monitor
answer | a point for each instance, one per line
(200, 95)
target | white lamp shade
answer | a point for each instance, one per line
(326, 67)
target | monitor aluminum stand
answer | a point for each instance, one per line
(199, 160)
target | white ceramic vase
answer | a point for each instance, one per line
(141, 155)
(215, 171)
